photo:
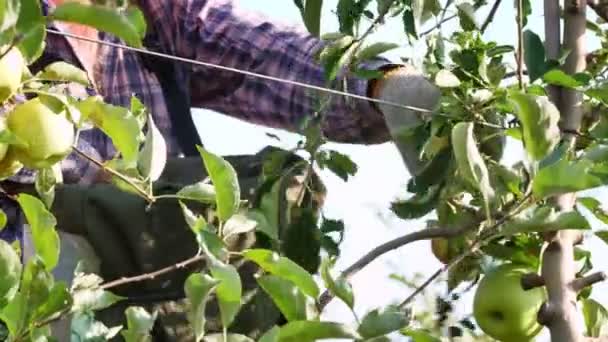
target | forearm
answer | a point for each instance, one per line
(219, 32)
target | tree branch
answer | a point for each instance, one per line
(559, 313)
(490, 15)
(425, 234)
(152, 275)
(581, 283)
(520, 44)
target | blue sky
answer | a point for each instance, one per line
(363, 202)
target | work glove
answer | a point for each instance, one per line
(403, 84)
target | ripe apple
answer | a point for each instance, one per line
(48, 134)
(503, 309)
(11, 70)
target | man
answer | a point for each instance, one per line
(218, 31)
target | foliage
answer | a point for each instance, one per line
(501, 210)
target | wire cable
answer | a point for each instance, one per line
(236, 70)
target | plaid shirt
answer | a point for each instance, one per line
(214, 31)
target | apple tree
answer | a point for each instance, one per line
(513, 234)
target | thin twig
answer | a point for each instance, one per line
(152, 275)
(141, 191)
(438, 25)
(490, 15)
(584, 282)
(520, 44)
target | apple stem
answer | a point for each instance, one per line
(531, 281)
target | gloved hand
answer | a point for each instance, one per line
(403, 84)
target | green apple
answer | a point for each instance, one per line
(11, 70)
(503, 309)
(49, 135)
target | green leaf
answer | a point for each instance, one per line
(63, 72)
(126, 26)
(88, 296)
(238, 223)
(9, 13)
(197, 289)
(201, 192)
(312, 16)
(335, 55)
(471, 165)
(86, 329)
(596, 318)
(118, 123)
(409, 22)
(446, 79)
(283, 267)
(153, 156)
(10, 273)
(219, 337)
(3, 219)
(539, 118)
(566, 176)
(310, 331)
(139, 324)
(544, 219)
(499, 50)
(46, 179)
(42, 224)
(374, 50)
(58, 300)
(262, 224)
(224, 178)
(380, 322)
(595, 207)
(14, 314)
(338, 287)
(288, 298)
(602, 234)
(32, 26)
(559, 78)
(340, 164)
(229, 290)
(534, 55)
(419, 335)
(347, 12)
(466, 15)
(272, 335)
(418, 205)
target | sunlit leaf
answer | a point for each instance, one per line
(42, 224)
(471, 165)
(118, 123)
(139, 324)
(238, 223)
(595, 207)
(539, 119)
(229, 289)
(338, 287)
(63, 72)
(127, 26)
(283, 267)
(310, 331)
(31, 25)
(287, 297)
(596, 318)
(466, 14)
(380, 322)
(201, 192)
(272, 335)
(374, 50)
(566, 176)
(10, 273)
(153, 156)
(225, 181)
(197, 289)
(446, 79)
(545, 219)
